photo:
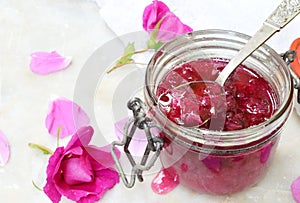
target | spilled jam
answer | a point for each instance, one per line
(165, 181)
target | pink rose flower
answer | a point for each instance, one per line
(170, 26)
(80, 172)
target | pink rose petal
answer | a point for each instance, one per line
(75, 151)
(170, 27)
(153, 13)
(67, 115)
(296, 189)
(76, 171)
(43, 63)
(52, 168)
(103, 156)
(109, 178)
(82, 137)
(4, 149)
(93, 191)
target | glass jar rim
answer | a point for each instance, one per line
(195, 134)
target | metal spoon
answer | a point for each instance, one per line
(281, 16)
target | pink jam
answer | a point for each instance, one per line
(246, 100)
(165, 181)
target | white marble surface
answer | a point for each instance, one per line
(76, 28)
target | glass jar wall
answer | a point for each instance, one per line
(209, 159)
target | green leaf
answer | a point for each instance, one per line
(127, 55)
(129, 51)
(153, 44)
(44, 149)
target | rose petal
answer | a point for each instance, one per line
(43, 63)
(153, 13)
(52, 168)
(75, 171)
(295, 187)
(76, 192)
(81, 138)
(4, 149)
(75, 151)
(102, 156)
(67, 115)
(89, 199)
(108, 178)
(171, 27)
(93, 191)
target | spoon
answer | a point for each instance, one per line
(280, 17)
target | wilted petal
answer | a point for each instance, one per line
(44, 63)
(4, 149)
(66, 115)
(296, 189)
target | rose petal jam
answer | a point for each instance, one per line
(189, 97)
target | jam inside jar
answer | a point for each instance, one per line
(219, 140)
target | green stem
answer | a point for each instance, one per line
(58, 136)
(141, 51)
(120, 65)
(44, 149)
(36, 186)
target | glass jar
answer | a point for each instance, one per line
(211, 161)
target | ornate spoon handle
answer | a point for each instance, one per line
(284, 13)
(281, 16)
